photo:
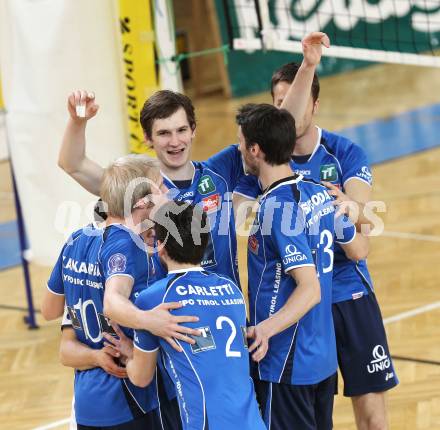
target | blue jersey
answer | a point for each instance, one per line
(211, 186)
(337, 160)
(295, 227)
(212, 379)
(88, 259)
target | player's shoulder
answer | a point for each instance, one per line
(153, 295)
(217, 279)
(118, 234)
(218, 159)
(338, 145)
(83, 234)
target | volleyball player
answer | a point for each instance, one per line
(363, 353)
(290, 263)
(93, 261)
(211, 376)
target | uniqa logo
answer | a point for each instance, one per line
(380, 360)
(292, 255)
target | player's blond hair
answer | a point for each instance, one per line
(127, 180)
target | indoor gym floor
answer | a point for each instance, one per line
(36, 391)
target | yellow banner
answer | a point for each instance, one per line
(140, 79)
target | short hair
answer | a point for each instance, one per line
(287, 74)
(163, 104)
(181, 227)
(132, 174)
(273, 129)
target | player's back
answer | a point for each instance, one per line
(212, 376)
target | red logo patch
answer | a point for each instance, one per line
(211, 203)
(253, 244)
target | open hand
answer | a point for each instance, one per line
(162, 323)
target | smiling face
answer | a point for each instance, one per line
(171, 138)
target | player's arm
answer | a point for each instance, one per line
(355, 246)
(76, 354)
(353, 202)
(72, 157)
(159, 321)
(298, 95)
(52, 306)
(357, 249)
(142, 367)
(243, 206)
(306, 295)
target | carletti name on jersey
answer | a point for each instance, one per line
(217, 290)
(315, 200)
(83, 267)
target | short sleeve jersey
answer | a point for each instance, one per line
(212, 379)
(89, 258)
(212, 185)
(295, 227)
(337, 160)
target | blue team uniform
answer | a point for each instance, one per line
(89, 258)
(357, 317)
(212, 380)
(211, 186)
(295, 226)
(336, 160)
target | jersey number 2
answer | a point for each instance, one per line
(219, 324)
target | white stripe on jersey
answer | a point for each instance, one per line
(134, 398)
(288, 352)
(230, 214)
(200, 382)
(292, 181)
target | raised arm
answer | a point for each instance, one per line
(72, 158)
(298, 95)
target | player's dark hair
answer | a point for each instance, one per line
(182, 229)
(163, 104)
(273, 129)
(287, 74)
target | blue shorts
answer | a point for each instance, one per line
(363, 355)
(305, 407)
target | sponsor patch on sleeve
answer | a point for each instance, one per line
(117, 263)
(365, 174)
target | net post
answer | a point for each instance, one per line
(30, 317)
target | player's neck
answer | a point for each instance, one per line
(270, 174)
(182, 173)
(173, 265)
(133, 222)
(305, 144)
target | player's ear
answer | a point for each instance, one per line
(148, 141)
(256, 150)
(141, 203)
